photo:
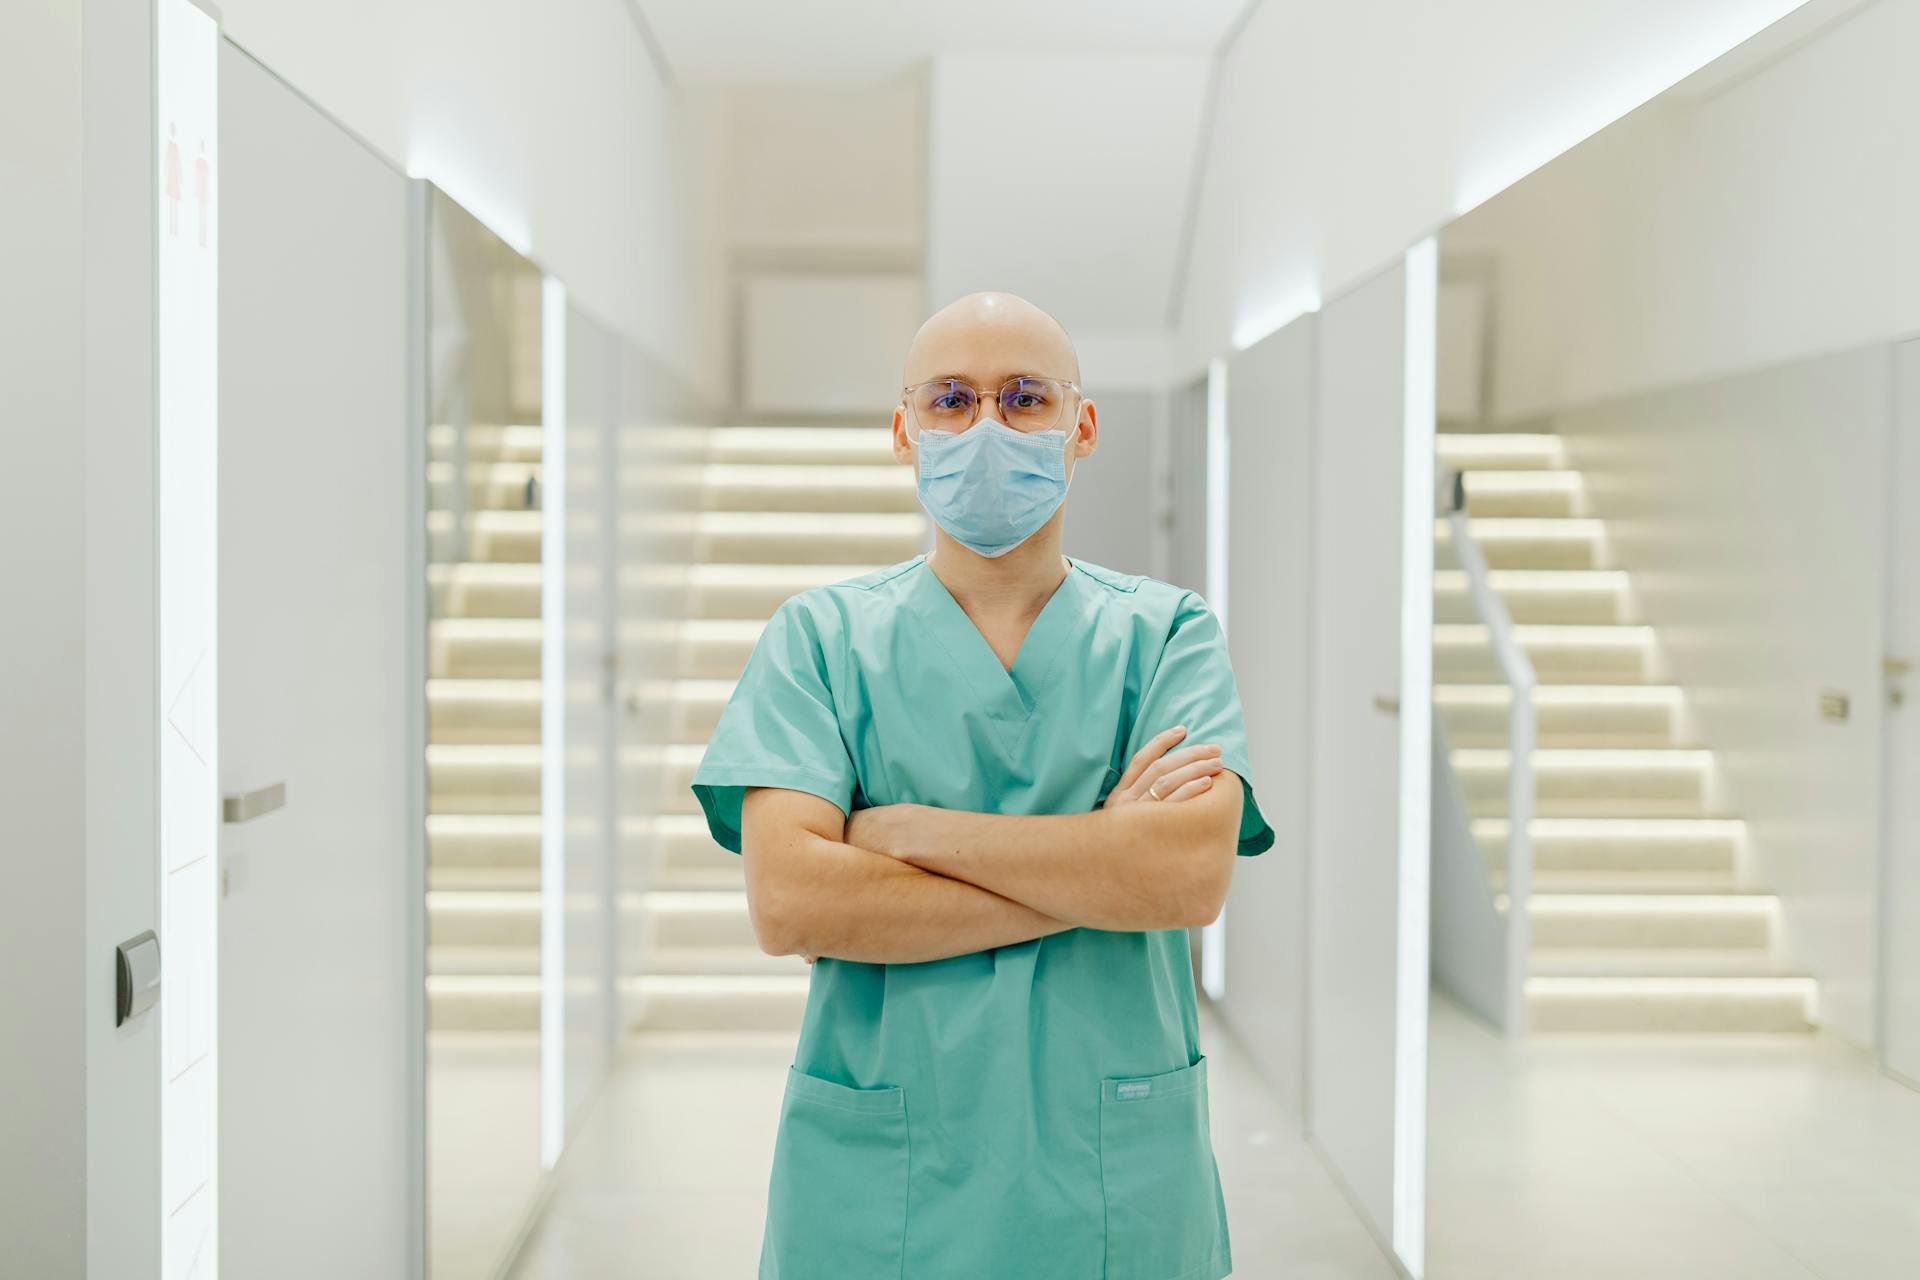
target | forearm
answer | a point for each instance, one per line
(821, 897)
(1137, 867)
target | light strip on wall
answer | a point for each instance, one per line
(553, 719)
(1213, 938)
(1416, 728)
(186, 561)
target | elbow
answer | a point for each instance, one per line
(1206, 876)
(1204, 897)
(771, 910)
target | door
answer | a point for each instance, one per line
(1900, 932)
(317, 610)
(1372, 693)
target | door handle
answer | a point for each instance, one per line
(1386, 704)
(245, 806)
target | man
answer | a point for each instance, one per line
(987, 791)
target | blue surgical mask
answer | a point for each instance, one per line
(991, 487)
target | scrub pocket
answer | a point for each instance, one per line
(1164, 1215)
(837, 1202)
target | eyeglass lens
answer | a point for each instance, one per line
(1026, 404)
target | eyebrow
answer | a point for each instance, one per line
(996, 382)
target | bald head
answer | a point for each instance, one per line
(986, 338)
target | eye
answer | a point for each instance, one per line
(951, 402)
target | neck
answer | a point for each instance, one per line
(1019, 582)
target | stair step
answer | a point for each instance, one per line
(1662, 780)
(490, 486)
(472, 919)
(483, 711)
(674, 765)
(1622, 845)
(1652, 962)
(484, 842)
(1500, 451)
(483, 1002)
(1577, 596)
(1612, 882)
(682, 710)
(1510, 543)
(1564, 715)
(812, 446)
(495, 537)
(484, 961)
(716, 1002)
(724, 590)
(471, 590)
(1463, 654)
(802, 487)
(691, 920)
(697, 649)
(722, 962)
(486, 443)
(1670, 1004)
(1643, 921)
(758, 537)
(484, 648)
(681, 853)
(1526, 494)
(483, 779)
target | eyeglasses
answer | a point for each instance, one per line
(1026, 403)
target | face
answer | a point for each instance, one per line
(985, 340)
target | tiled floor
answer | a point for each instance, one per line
(483, 1148)
(667, 1180)
(1571, 1157)
(1709, 1158)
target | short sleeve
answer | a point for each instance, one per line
(1193, 685)
(779, 729)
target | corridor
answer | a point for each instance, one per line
(668, 1179)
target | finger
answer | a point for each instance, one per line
(1156, 747)
(1174, 779)
(1176, 760)
(1189, 790)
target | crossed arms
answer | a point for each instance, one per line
(899, 884)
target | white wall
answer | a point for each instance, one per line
(1732, 223)
(548, 121)
(1751, 515)
(43, 922)
(1065, 179)
(1270, 517)
(1111, 509)
(121, 634)
(1343, 133)
(316, 504)
(790, 180)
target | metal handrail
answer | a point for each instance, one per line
(1522, 732)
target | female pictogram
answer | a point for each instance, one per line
(172, 180)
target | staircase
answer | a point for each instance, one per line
(483, 752)
(1642, 916)
(770, 511)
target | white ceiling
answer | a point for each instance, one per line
(736, 41)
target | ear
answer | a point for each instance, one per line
(902, 445)
(1086, 429)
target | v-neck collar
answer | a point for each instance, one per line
(1011, 694)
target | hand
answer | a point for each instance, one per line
(884, 828)
(1158, 772)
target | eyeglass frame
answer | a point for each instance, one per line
(979, 399)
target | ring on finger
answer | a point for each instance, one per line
(1154, 791)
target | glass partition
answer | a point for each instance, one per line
(483, 743)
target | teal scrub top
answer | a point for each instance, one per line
(1030, 1112)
